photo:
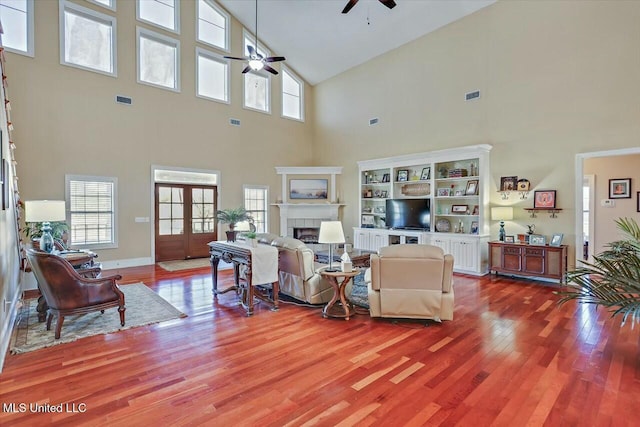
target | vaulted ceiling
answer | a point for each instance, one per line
(320, 42)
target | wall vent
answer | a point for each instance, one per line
(234, 122)
(472, 95)
(123, 100)
(373, 121)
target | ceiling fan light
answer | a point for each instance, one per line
(256, 64)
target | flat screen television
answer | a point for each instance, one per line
(408, 214)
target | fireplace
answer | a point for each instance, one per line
(306, 234)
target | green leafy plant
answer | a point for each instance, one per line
(233, 216)
(612, 280)
(33, 230)
(250, 235)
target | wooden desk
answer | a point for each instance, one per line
(548, 262)
(242, 254)
(338, 292)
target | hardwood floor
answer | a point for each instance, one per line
(510, 357)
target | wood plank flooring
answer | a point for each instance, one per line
(510, 357)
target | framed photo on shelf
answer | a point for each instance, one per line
(368, 194)
(474, 227)
(556, 239)
(472, 187)
(508, 183)
(459, 209)
(377, 194)
(403, 175)
(368, 220)
(544, 199)
(426, 173)
(385, 177)
(476, 210)
(537, 239)
(443, 192)
(459, 193)
(509, 239)
(620, 188)
(524, 184)
(383, 194)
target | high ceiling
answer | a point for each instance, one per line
(320, 42)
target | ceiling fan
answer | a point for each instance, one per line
(389, 3)
(256, 61)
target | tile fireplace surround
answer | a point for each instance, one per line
(305, 215)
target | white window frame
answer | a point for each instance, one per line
(110, 6)
(227, 29)
(247, 36)
(218, 58)
(30, 34)
(91, 14)
(264, 188)
(160, 39)
(176, 18)
(114, 213)
(284, 69)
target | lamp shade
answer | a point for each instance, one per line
(44, 210)
(331, 232)
(502, 213)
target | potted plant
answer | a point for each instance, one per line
(612, 280)
(33, 232)
(251, 238)
(232, 217)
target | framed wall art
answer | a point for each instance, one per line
(620, 188)
(308, 189)
(544, 199)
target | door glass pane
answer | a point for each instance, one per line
(196, 195)
(164, 211)
(164, 194)
(164, 227)
(177, 211)
(176, 195)
(208, 196)
(176, 226)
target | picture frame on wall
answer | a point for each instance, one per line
(508, 183)
(620, 188)
(316, 189)
(403, 175)
(544, 199)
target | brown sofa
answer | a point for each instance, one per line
(298, 272)
(411, 281)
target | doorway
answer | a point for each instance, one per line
(184, 220)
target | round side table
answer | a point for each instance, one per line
(331, 310)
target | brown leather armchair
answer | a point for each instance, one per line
(68, 293)
(411, 281)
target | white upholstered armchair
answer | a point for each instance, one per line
(411, 281)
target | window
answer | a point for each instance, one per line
(292, 95)
(257, 84)
(17, 23)
(255, 202)
(158, 60)
(87, 39)
(213, 25)
(212, 76)
(92, 211)
(163, 13)
(109, 4)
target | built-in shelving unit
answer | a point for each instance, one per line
(456, 184)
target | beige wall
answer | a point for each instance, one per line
(68, 123)
(603, 169)
(556, 79)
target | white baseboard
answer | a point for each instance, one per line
(7, 327)
(124, 263)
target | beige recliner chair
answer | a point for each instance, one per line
(299, 274)
(411, 281)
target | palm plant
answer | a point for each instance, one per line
(233, 216)
(612, 280)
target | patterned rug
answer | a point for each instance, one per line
(359, 291)
(144, 307)
(185, 264)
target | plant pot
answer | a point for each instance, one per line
(231, 236)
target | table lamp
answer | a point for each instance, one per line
(45, 211)
(331, 232)
(502, 214)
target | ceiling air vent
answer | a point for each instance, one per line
(123, 100)
(472, 95)
(373, 121)
(234, 122)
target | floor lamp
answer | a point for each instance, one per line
(331, 233)
(45, 211)
(502, 214)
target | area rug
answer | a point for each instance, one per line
(185, 264)
(144, 307)
(359, 291)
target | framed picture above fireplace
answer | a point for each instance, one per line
(309, 189)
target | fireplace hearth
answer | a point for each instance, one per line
(306, 234)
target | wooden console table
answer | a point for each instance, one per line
(548, 262)
(261, 267)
